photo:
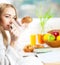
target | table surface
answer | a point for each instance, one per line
(57, 63)
(48, 58)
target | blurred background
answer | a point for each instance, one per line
(29, 7)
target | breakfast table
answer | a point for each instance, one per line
(48, 56)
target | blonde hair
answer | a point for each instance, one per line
(5, 39)
(5, 5)
(2, 8)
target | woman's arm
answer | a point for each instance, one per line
(14, 33)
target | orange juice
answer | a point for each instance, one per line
(40, 38)
(33, 39)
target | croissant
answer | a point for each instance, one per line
(26, 19)
(28, 48)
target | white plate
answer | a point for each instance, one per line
(42, 50)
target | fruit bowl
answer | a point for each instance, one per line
(55, 43)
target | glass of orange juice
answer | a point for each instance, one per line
(33, 39)
(40, 38)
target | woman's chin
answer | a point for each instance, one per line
(6, 28)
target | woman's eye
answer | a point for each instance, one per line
(7, 16)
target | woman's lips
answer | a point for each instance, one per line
(9, 26)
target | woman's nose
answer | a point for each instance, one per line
(11, 21)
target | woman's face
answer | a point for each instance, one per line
(8, 17)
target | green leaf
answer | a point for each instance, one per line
(44, 18)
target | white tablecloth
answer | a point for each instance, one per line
(48, 57)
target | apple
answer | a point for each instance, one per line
(51, 37)
(55, 33)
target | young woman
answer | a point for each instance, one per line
(8, 16)
(8, 25)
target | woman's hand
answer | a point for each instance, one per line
(14, 32)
